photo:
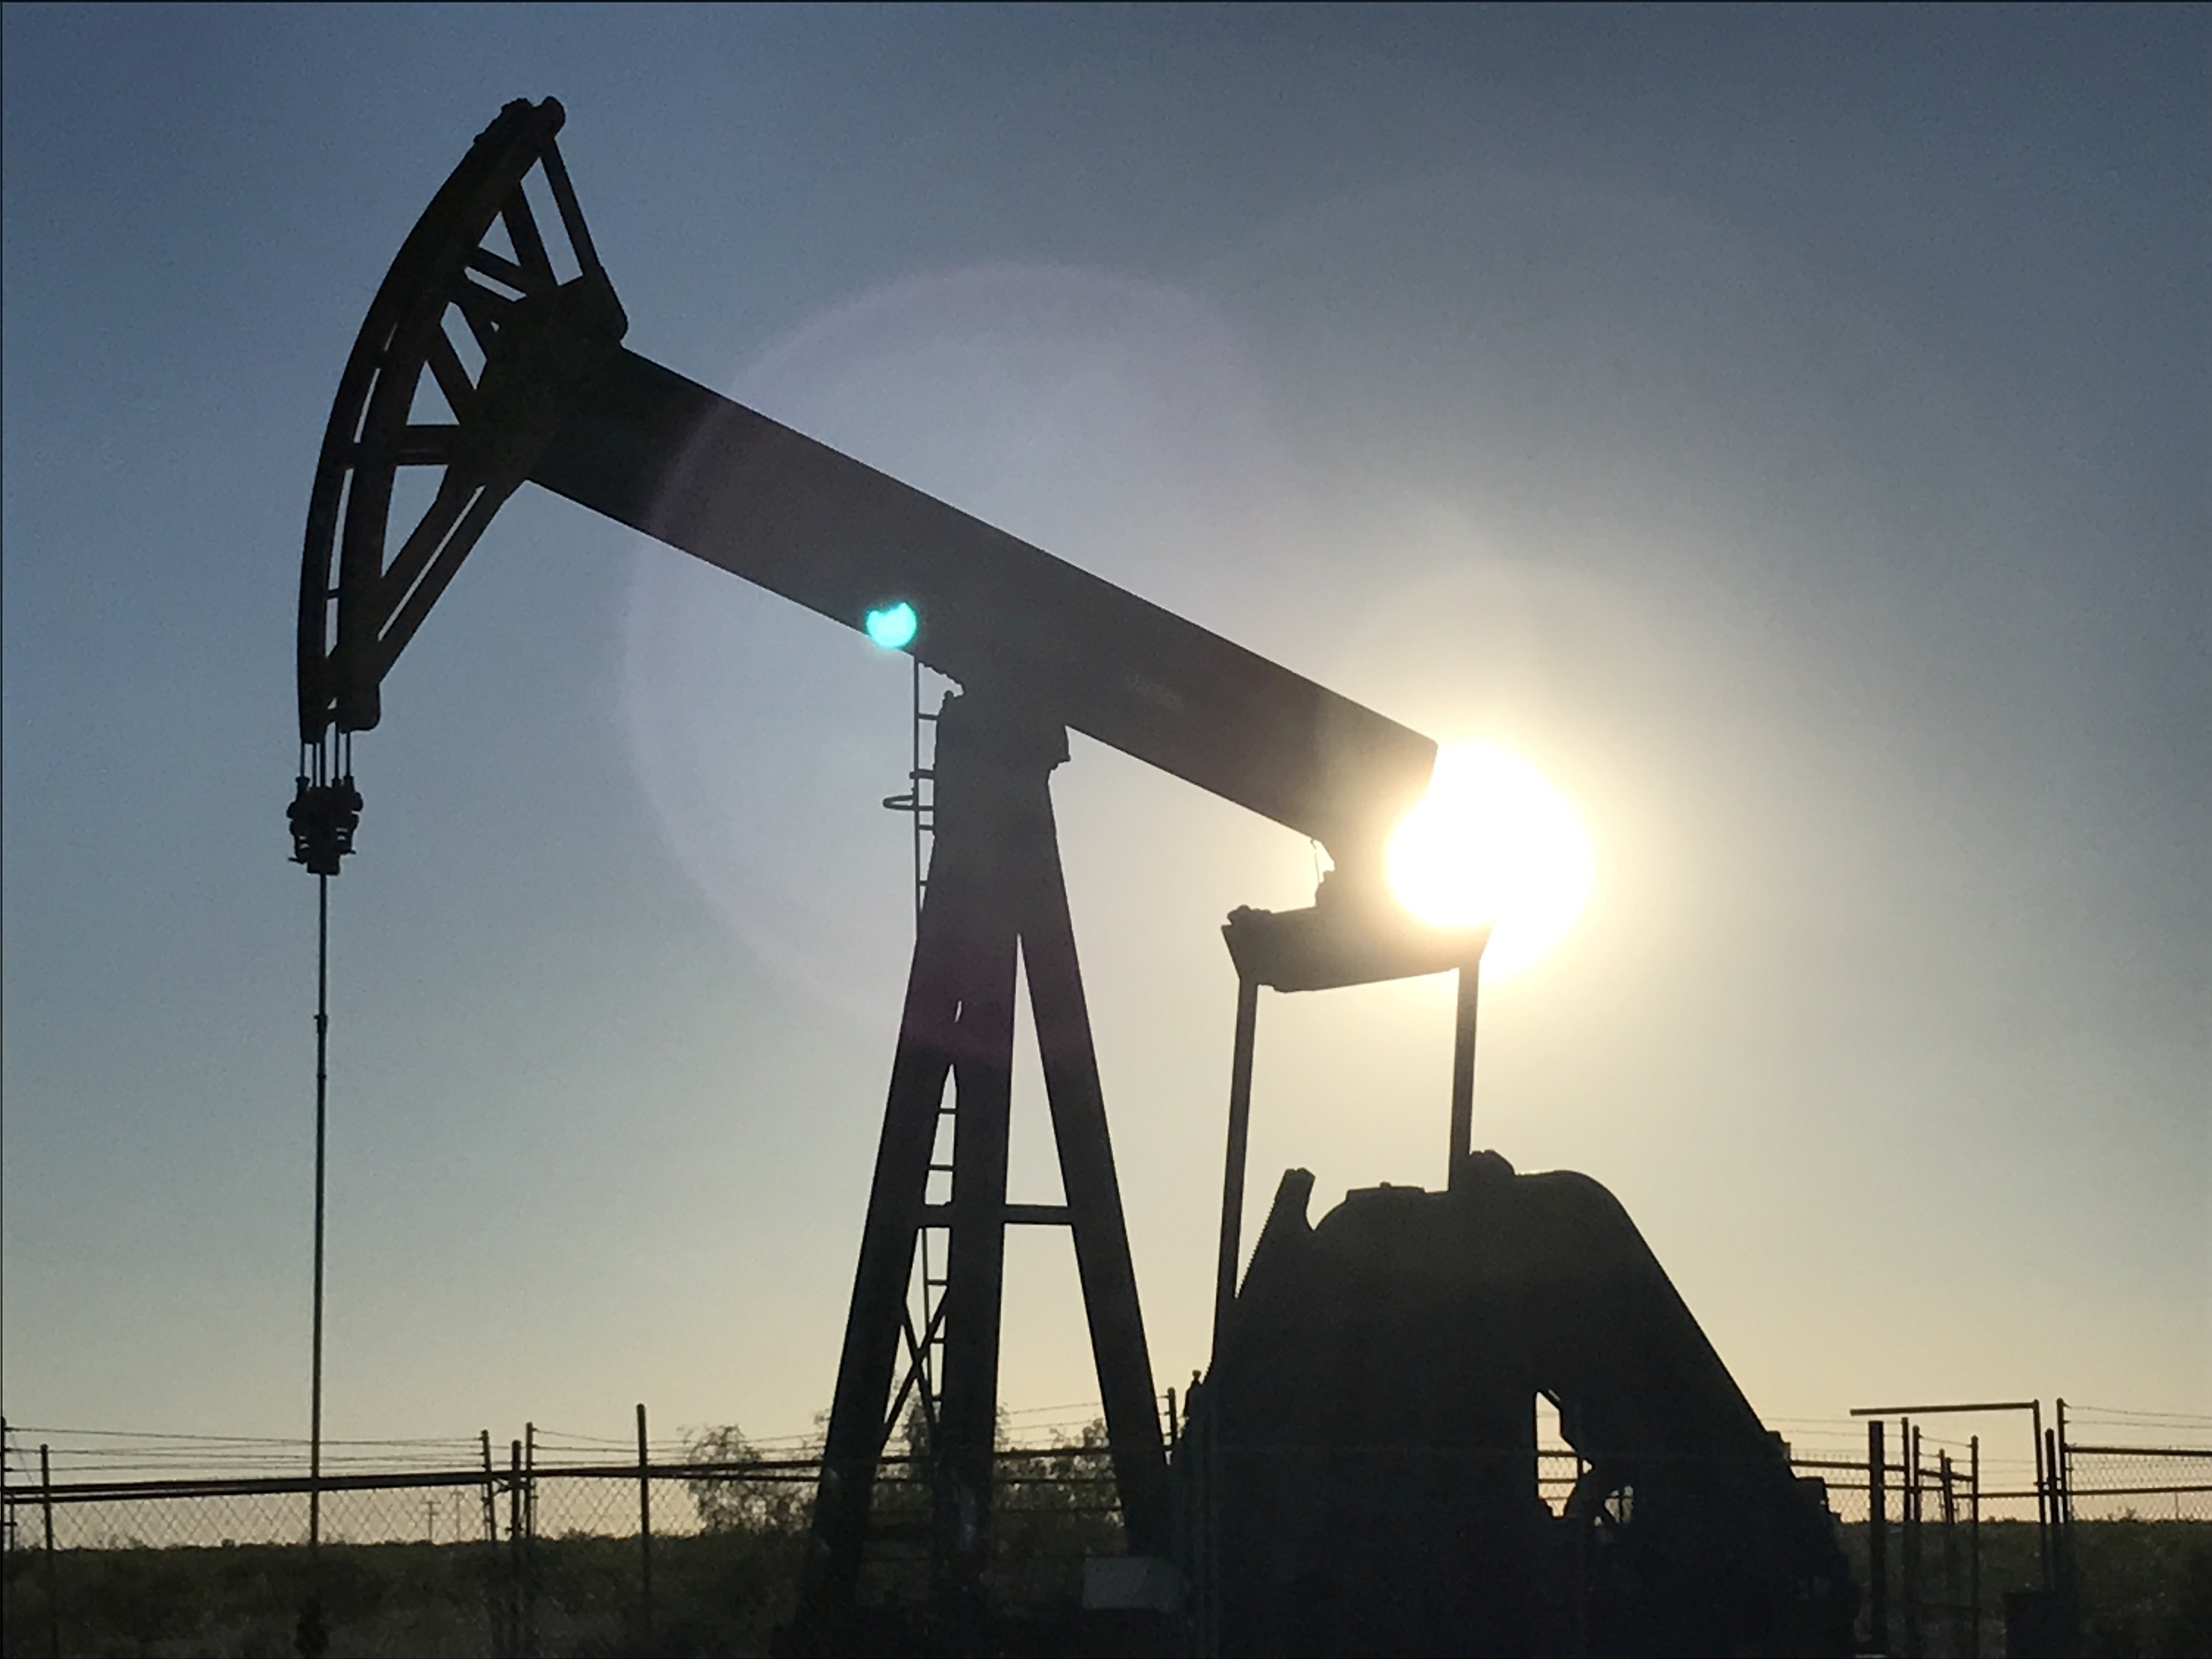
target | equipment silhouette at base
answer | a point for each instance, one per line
(1359, 1474)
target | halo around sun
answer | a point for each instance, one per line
(1493, 841)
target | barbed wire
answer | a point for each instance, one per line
(85, 1452)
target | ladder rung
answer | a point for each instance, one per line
(1014, 1215)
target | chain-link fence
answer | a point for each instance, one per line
(549, 1561)
(2140, 1483)
(560, 1545)
(2138, 1533)
(515, 1556)
(1991, 1545)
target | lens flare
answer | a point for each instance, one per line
(1493, 841)
(894, 627)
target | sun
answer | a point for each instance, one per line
(1493, 841)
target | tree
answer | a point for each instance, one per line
(773, 1499)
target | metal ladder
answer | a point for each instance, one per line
(920, 802)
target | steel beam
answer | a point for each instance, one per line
(1094, 1196)
(645, 446)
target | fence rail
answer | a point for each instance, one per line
(561, 1546)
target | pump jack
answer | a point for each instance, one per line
(1038, 649)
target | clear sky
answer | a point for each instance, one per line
(1786, 429)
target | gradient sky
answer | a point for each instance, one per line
(1787, 429)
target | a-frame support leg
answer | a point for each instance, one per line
(878, 1319)
(976, 1257)
(1094, 1201)
(995, 886)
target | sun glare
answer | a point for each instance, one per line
(1493, 841)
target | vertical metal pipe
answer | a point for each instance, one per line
(530, 1539)
(495, 1597)
(1232, 1173)
(46, 1508)
(1877, 1539)
(913, 776)
(2042, 1497)
(1908, 1515)
(1974, 1548)
(490, 1490)
(1948, 1498)
(514, 1547)
(322, 1122)
(1581, 1645)
(2062, 1472)
(644, 1530)
(2060, 1575)
(1463, 1094)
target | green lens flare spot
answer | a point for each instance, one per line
(894, 627)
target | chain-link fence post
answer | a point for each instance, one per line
(529, 1540)
(644, 1536)
(518, 1647)
(1908, 1505)
(53, 1599)
(1877, 1539)
(1974, 1547)
(495, 1593)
